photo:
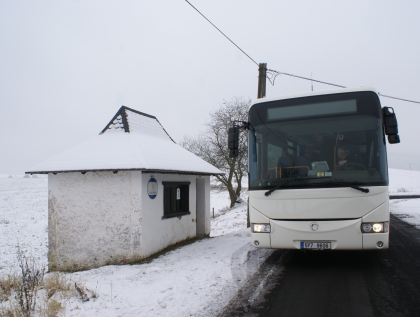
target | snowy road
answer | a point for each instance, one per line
(343, 283)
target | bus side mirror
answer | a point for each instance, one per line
(391, 125)
(233, 142)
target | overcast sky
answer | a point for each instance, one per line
(67, 66)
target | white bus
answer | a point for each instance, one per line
(318, 174)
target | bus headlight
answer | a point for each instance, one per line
(376, 227)
(261, 227)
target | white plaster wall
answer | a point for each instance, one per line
(207, 219)
(94, 219)
(158, 233)
(203, 206)
(101, 218)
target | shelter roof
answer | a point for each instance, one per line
(132, 140)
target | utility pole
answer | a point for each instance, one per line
(262, 75)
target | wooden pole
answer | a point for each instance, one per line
(262, 75)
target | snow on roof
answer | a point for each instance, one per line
(131, 141)
(130, 120)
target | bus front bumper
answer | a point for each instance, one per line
(333, 234)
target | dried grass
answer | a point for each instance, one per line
(85, 293)
(52, 308)
(7, 284)
(58, 283)
(12, 311)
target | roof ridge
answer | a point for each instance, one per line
(120, 112)
(138, 112)
(124, 121)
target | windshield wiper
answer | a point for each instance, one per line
(268, 193)
(365, 190)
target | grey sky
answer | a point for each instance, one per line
(67, 66)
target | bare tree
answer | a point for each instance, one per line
(211, 145)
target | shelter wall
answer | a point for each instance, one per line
(160, 233)
(94, 219)
(203, 206)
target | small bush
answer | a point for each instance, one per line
(402, 190)
(30, 293)
(32, 278)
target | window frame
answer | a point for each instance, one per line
(184, 199)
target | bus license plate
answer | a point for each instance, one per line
(315, 245)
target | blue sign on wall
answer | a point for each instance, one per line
(152, 188)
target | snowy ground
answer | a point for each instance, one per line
(404, 182)
(23, 218)
(195, 280)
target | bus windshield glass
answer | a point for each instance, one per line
(325, 141)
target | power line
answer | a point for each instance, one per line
(407, 100)
(331, 84)
(222, 33)
(301, 77)
(275, 73)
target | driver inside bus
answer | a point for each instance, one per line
(344, 156)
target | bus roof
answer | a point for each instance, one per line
(316, 93)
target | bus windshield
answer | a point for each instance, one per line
(325, 141)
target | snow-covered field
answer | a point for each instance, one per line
(404, 182)
(23, 218)
(195, 280)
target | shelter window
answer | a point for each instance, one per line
(176, 199)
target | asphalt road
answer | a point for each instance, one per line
(338, 283)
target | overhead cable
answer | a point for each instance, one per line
(301, 77)
(331, 84)
(222, 33)
(271, 77)
(407, 100)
